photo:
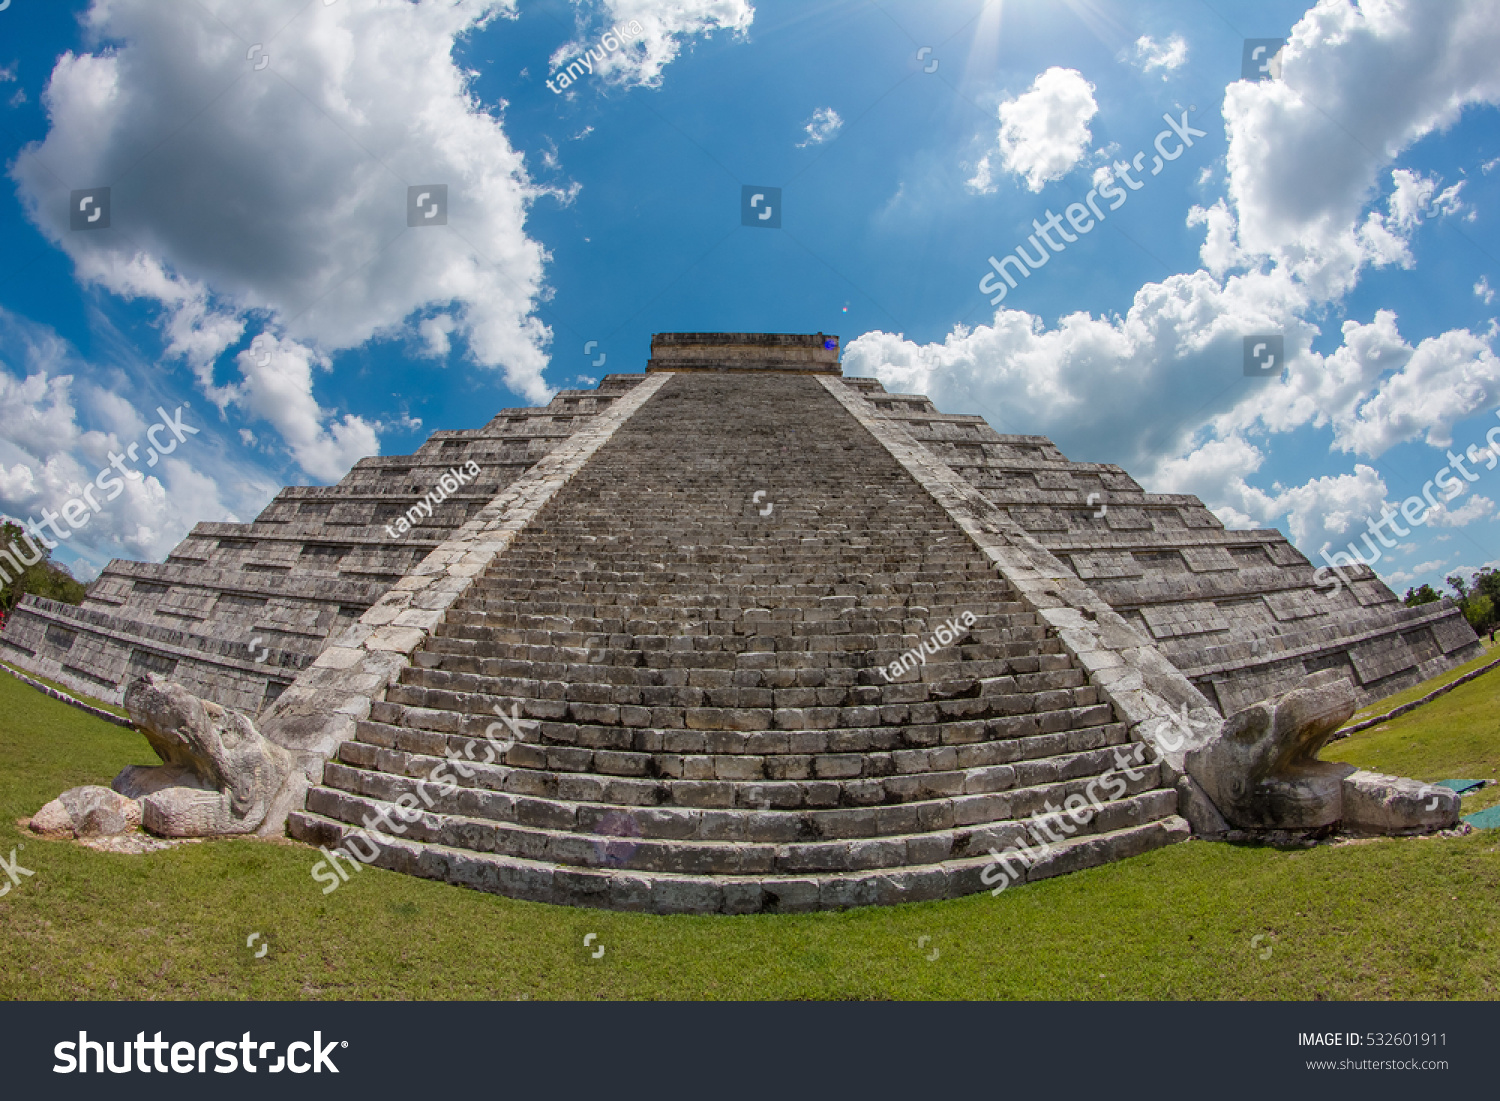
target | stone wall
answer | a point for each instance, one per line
(1238, 612)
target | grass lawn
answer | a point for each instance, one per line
(1380, 707)
(71, 691)
(1455, 737)
(1416, 918)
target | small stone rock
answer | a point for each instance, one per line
(89, 811)
(1374, 803)
(53, 820)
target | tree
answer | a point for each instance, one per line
(1425, 595)
(1479, 610)
(1487, 581)
(41, 577)
(1478, 596)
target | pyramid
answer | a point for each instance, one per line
(737, 634)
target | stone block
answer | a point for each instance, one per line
(1373, 803)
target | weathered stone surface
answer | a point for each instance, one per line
(88, 811)
(1194, 805)
(233, 773)
(1373, 803)
(1263, 772)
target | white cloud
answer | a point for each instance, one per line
(1167, 56)
(61, 429)
(1468, 572)
(1044, 131)
(666, 26)
(278, 389)
(1389, 73)
(435, 332)
(1476, 508)
(1482, 289)
(1406, 577)
(1157, 389)
(1219, 251)
(1447, 202)
(823, 126)
(1375, 390)
(406, 423)
(1329, 509)
(1215, 473)
(1136, 389)
(1411, 197)
(1416, 196)
(287, 197)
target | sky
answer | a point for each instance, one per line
(332, 227)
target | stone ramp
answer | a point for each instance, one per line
(707, 727)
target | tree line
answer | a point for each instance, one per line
(1478, 596)
(42, 578)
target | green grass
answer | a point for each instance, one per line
(1380, 707)
(1408, 919)
(114, 708)
(1455, 737)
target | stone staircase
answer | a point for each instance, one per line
(707, 727)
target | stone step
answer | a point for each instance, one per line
(454, 655)
(578, 848)
(644, 637)
(665, 893)
(918, 701)
(1005, 695)
(540, 614)
(691, 774)
(963, 695)
(388, 774)
(780, 575)
(620, 647)
(632, 649)
(915, 734)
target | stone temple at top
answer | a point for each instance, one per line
(695, 587)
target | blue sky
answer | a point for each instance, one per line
(259, 268)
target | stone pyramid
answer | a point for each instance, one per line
(677, 605)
